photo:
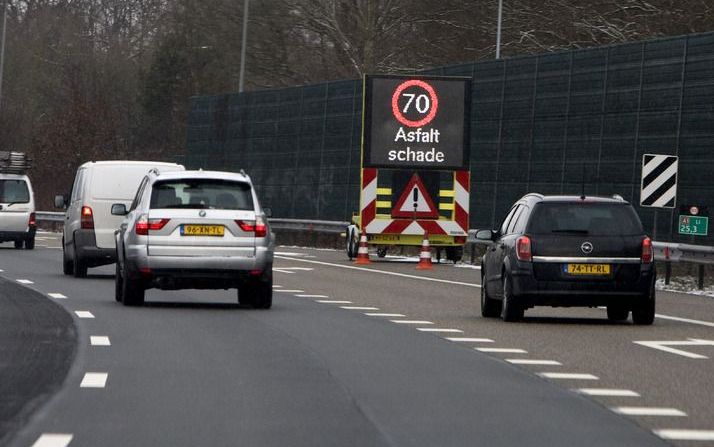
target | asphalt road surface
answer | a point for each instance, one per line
(348, 355)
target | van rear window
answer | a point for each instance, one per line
(14, 191)
(597, 219)
(202, 193)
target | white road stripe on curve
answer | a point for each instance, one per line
(685, 435)
(58, 296)
(411, 322)
(685, 320)
(649, 411)
(83, 314)
(25, 281)
(607, 392)
(470, 339)
(566, 376)
(289, 291)
(99, 340)
(312, 296)
(533, 362)
(359, 308)
(53, 440)
(403, 275)
(373, 314)
(94, 380)
(334, 301)
(503, 350)
(445, 330)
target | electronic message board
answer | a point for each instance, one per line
(416, 122)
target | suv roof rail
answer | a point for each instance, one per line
(618, 197)
(14, 162)
(534, 194)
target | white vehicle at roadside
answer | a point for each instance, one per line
(89, 226)
(17, 210)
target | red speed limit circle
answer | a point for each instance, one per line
(432, 107)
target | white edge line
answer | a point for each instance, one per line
(533, 362)
(649, 411)
(566, 376)
(685, 435)
(377, 314)
(411, 322)
(359, 308)
(334, 301)
(685, 320)
(432, 329)
(311, 296)
(55, 295)
(403, 275)
(503, 350)
(53, 440)
(469, 340)
(607, 392)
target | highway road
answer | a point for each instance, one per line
(348, 355)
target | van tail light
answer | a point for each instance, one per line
(647, 253)
(86, 218)
(144, 225)
(256, 226)
(33, 220)
(523, 249)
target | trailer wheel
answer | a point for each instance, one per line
(454, 254)
(381, 251)
(352, 243)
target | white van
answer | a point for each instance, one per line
(17, 211)
(89, 226)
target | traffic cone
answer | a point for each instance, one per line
(425, 255)
(362, 252)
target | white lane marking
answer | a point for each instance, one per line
(53, 440)
(373, 314)
(685, 435)
(359, 308)
(411, 322)
(312, 296)
(470, 339)
(665, 346)
(334, 301)
(275, 286)
(25, 281)
(533, 362)
(283, 271)
(503, 350)
(290, 291)
(607, 392)
(83, 314)
(58, 296)
(1, 270)
(403, 275)
(99, 340)
(685, 320)
(302, 269)
(568, 376)
(94, 380)
(433, 329)
(649, 411)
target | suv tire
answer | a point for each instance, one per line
(490, 308)
(257, 293)
(132, 292)
(617, 312)
(118, 286)
(30, 243)
(510, 311)
(643, 312)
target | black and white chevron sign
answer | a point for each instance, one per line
(659, 181)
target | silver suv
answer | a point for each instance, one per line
(198, 230)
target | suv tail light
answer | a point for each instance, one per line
(647, 253)
(523, 249)
(33, 220)
(144, 225)
(86, 218)
(256, 226)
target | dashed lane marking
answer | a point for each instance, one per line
(25, 281)
(649, 411)
(290, 291)
(53, 440)
(312, 296)
(334, 301)
(99, 340)
(411, 322)
(373, 314)
(83, 314)
(685, 435)
(685, 320)
(94, 380)
(58, 296)
(434, 329)
(275, 286)
(470, 339)
(568, 376)
(533, 362)
(609, 392)
(359, 308)
(382, 272)
(503, 350)
(283, 271)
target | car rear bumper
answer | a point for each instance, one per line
(17, 235)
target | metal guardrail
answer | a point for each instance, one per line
(324, 226)
(49, 216)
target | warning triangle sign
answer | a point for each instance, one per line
(415, 202)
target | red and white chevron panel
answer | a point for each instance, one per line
(457, 227)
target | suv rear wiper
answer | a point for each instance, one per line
(572, 231)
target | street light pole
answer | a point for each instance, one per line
(498, 29)
(242, 46)
(2, 44)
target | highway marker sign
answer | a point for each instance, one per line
(694, 225)
(659, 181)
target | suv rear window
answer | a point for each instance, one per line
(202, 193)
(597, 219)
(14, 191)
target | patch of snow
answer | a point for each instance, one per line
(685, 284)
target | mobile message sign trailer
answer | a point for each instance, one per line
(415, 177)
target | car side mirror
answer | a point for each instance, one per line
(268, 212)
(119, 209)
(60, 201)
(486, 235)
